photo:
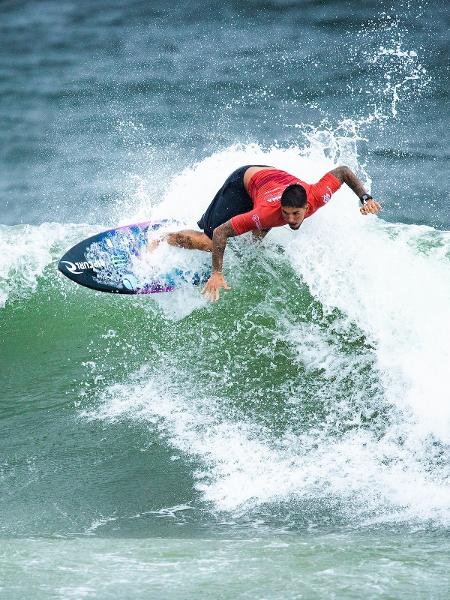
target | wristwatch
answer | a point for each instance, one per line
(363, 199)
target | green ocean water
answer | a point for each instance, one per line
(293, 440)
(292, 567)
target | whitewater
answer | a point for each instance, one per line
(293, 440)
(384, 283)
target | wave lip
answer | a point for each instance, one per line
(25, 251)
(378, 356)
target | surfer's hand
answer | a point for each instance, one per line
(371, 206)
(213, 285)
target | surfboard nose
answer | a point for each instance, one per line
(74, 264)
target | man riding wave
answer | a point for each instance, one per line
(256, 198)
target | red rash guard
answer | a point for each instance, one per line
(265, 189)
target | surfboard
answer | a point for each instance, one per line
(107, 262)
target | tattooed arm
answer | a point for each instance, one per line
(259, 234)
(346, 175)
(217, 281)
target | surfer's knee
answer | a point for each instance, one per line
(178, 238)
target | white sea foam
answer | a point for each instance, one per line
(25, 251)
(391, 282)
(396, 294)
(241, 467)
(162, 260)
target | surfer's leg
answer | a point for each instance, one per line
(232, 199)
(190, 239)
(187, 238)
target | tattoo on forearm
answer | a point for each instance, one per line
(259, 234)
(220, 237)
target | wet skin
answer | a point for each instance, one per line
(293, 216)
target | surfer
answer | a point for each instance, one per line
(256, 198)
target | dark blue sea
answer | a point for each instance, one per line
(293, 440)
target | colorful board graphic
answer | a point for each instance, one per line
(106, 262)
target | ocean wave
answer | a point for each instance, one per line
(338, 388)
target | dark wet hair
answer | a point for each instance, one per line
(294, 196)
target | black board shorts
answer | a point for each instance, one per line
(231, 200)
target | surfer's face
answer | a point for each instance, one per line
(293, 216)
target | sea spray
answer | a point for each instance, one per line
(25, 251)
(379, 423)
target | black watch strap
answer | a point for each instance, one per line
(363, 199)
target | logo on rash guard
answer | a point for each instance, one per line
(257, 221)
(327, 196)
